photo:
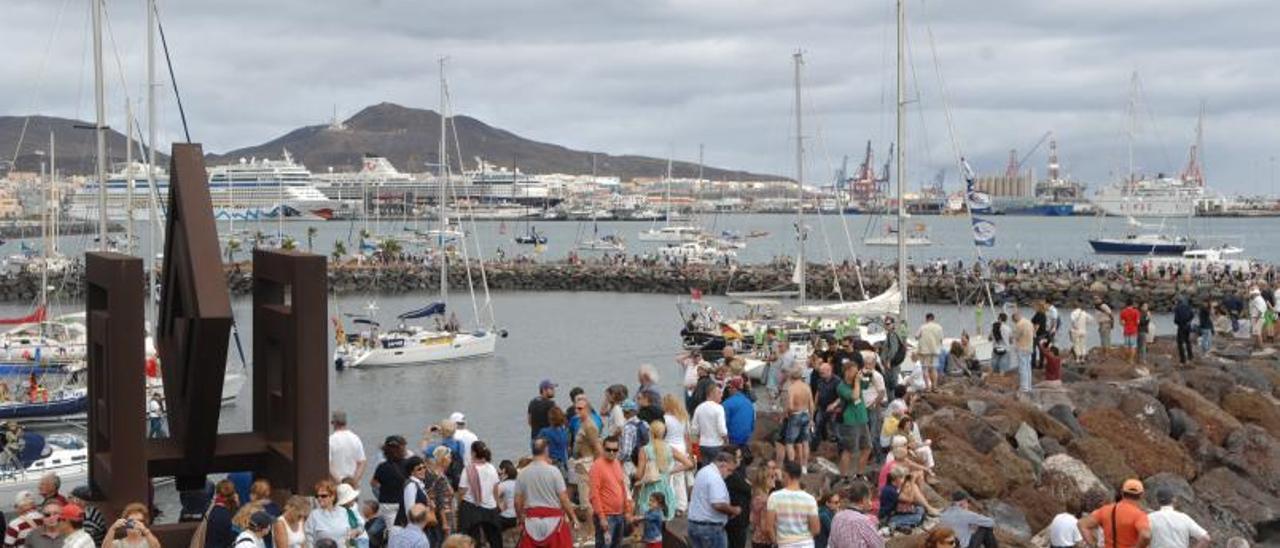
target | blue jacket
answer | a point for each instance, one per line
(739, 419)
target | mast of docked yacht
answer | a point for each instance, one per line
(129, 178)
(444, 192)
(900, 160)
(798, 57)
(152, 214)
(100, 125)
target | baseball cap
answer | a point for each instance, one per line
(1132, 487)
(1165, 495)
(629, 405)
(260, 520)
(23, 498)
(458, 418)
(73, 512)
(545, 384)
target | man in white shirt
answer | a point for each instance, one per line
(1173, 529)
(1079, 334)
(709, 426)
(1257, 309)
(928, 346)
(155, 416)
(1063, 531)
(346, 451)
(463, 435)
(709, 506)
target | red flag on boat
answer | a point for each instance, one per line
(37, 316)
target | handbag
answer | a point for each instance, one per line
(651, 473)
(197, 538)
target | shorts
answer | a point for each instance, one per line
(797, 429)
(1131, 341)
(853, 437)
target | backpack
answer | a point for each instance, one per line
(454, 472)
(901, 353)
(642, 439)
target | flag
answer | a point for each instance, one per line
(977, 201)
(695, 294)
(730, 334)
(984, 232)
(797, 273)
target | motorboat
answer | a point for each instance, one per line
(671, 234)
(1142, 244)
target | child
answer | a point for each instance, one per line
(1052, 365)
(653, 520)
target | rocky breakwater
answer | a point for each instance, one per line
(927, 285)
(1209, 430)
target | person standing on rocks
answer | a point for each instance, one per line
(1124, 524)
(1079, 335)
(1054, 324)
(1173, 529)
(1001, 337)
(892, 354)
(1183, 315)
(1106, 319)
(1024, 335)
(791, 514)
(1144, 331)
(1257, 311)
(1129, 317)
(826, 415)
(1040, 321)
(1205, 317)
(798, 426)
(853, 433)
(540, 406)
(928, 346)
(708, 425)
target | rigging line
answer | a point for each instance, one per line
(927, 151)
(40, 75)
(826, 240)
(168, 61)
(115, 51)
(484, 278)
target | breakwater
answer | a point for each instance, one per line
(1063, 285)
(31, 229)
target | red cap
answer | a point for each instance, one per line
(73, 512)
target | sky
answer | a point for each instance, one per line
(661, 77)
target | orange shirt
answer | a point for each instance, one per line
(608, 492)
(1130, 520)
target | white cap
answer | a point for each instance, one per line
(458, 418)
(24, 498)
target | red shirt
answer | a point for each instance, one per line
(1052, 367)
(1129, 320)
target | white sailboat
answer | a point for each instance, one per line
(411, 344)
(597, 242)
(669, 233)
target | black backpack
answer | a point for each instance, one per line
(454, 472)
(901, 353)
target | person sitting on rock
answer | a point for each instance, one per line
(902, 503)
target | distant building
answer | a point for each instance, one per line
(1021, 186)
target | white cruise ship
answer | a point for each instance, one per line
(1161, 196)
(487, 185)
(251, 189)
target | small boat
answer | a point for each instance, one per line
(671, 234)
(918, 236)
(1213, 257)
(531, 238)
(28, 456)
(695, 253)
(1142, 244)
(608, 242)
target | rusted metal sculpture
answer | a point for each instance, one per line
(287, 444)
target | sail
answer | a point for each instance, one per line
(797, 273)
(429, 310)
(37, 316)
(888, 302)
(984, 232)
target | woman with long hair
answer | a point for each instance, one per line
(218, 532)
(477, 498)
(655, 465)
(288, 531)
(675, 419)
(762, 484)
(941, 537)
(557, 435)
(136, 520)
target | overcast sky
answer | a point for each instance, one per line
(660, 77)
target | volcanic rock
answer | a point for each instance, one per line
(1217, 424)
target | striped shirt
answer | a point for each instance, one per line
(21, 527)
(792, 509)
(853, 529)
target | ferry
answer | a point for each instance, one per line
(251, 189)
(379, 179)
(1160, 196)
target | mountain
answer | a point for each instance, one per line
(75, 145)
(410, 137)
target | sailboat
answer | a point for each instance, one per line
(669, 233)
(607, 242)
(412, 344)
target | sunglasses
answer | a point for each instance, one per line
(611, 449)
(324, 495)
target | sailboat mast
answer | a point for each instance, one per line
(1133, 121)
(128, 173)
(44, 230)
(444, 192)
(100, 127)
(668, 198)
(798, 57)
(900, 160)
(56, 204)
(154, 214)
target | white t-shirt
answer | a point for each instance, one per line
(675, 433)
(154, 409)
(488, 475)
(870, 393)
(1063, 530)
(708, 424)
(1173, 529)
(1079, 322)
(507, 490)
(248, 540)
(346, 451)
(466, 438)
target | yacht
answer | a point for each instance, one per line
(1161, 196)
(695, 253)
(671, 234)
(1142, 244)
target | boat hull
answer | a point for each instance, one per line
(75, 405)
(463, 346)
(1109, 247)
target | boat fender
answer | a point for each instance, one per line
(502, 333)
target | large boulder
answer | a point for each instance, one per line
(1254, 407)
(1038, 505)
(1070, 482)
(1028, 445)
(1042, 422)
(1146, 451)
(1235, 502)
(1257, 377)
(1015, 469)
(1011, 519)
(1066, 417)
(1103, 459)
(957, 461)
(1209, 382)
(1252, 452)
(1146, 408)
(980, 435)
(1217, 424)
